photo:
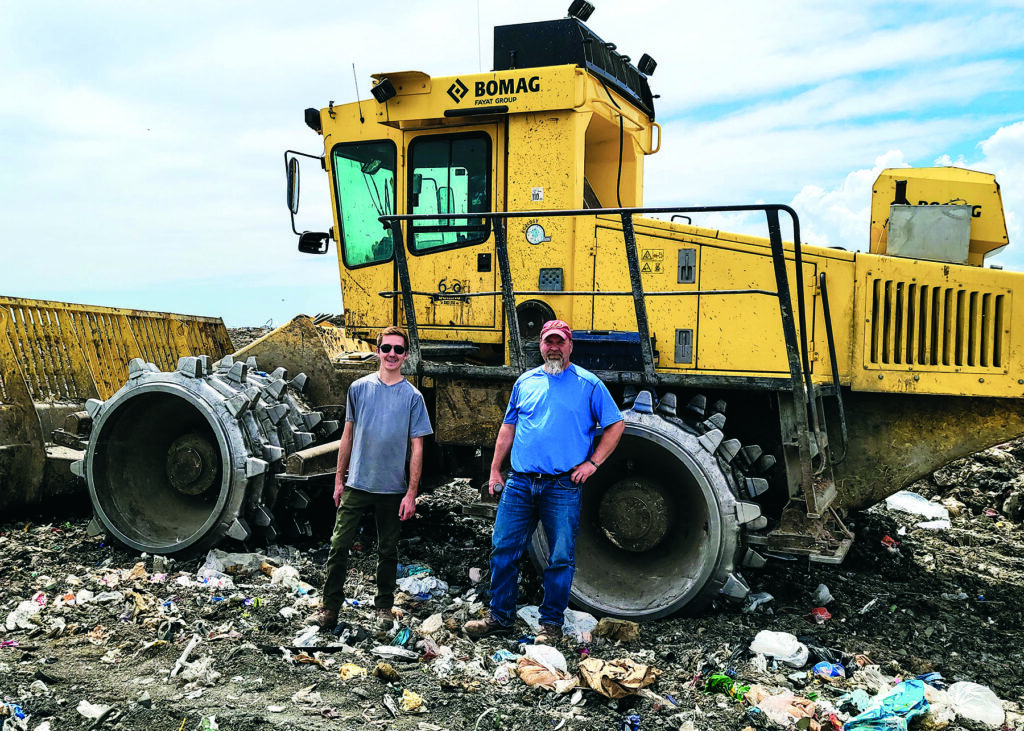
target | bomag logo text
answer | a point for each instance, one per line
(504, 91)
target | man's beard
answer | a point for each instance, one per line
(553, 366)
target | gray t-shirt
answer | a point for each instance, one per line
(385, 418)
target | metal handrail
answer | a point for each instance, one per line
(771, 211)
(796, 351)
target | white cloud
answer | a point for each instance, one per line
(1003, 155)
(842, 216)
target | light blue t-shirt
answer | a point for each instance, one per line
(385, 419)
(556, 418)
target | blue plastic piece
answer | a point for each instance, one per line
(892, 712)
(934, 680)
(829, 670)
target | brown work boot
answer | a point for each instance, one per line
(385, 617)
(490, 627)
(324, 619)
(549, 634)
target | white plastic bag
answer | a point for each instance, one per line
(286, 576)
(578, 624)
(756, 600)
(977, 703)
(776, 707)
(307, 637)
(909, 502)
(20, 617)
(575, 624)
(784, 647)
(531, 615)
(504, 673)
(547, 656)
(91, 710)
(822, 595)
(940, 711)
(423, 584)
(212, 572)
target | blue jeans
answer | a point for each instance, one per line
(555, 502)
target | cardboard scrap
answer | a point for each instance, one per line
(621, 630)
(616, 678)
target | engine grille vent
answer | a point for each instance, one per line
(923, 325)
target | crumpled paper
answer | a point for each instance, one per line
(616, 678)
(351, 670)
(412, 702)
(532, 672)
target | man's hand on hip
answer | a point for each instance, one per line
(582, 471)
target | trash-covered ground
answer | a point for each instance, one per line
(100, 637)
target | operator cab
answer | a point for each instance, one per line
(562, 122)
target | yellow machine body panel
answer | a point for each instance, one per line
(549, 139)
(927, 327)
(71, 352)
(940, 187)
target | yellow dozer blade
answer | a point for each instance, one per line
(55, 356)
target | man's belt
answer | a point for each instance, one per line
(543, 475)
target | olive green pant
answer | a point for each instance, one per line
(354, 504)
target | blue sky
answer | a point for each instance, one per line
(142, 143)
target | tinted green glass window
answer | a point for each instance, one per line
(449, 174)
(364, 177)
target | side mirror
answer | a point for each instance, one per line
(314, 242)
(293, 185)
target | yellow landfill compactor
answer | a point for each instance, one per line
(768, 387)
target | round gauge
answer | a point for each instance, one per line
(535, 233)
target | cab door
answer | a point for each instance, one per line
(456, 172)
(364, 176)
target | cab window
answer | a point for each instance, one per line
(364, 182)
(449, 174)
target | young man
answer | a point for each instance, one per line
(385, 420)
(549, 428)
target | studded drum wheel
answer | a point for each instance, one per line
(178, 461)
(661, 522)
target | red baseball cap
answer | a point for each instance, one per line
(556, 327)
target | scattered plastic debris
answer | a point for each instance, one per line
(784, 647)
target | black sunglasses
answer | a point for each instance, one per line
(386, 348)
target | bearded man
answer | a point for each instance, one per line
(549, 428)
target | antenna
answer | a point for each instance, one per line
(355, 81)
(479, 40)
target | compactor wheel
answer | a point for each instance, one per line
(178, 461)
(661, 522)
